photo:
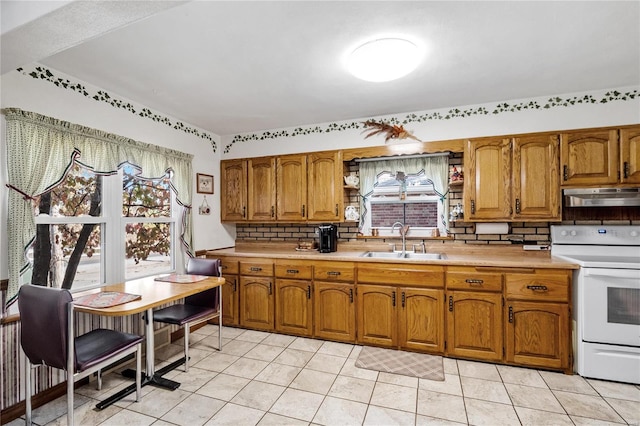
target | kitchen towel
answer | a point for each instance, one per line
(400, 362)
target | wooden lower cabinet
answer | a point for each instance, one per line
(294, 307)
(334, 311)
(230, 300)
(474, 325)
(405, 317)
(536, 334)
(256, 302)
(421, 319)
(377, 323)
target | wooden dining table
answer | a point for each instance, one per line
(153, 293)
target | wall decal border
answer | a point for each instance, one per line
(500, 108)
(42, 73)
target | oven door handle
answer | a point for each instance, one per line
(612, 274)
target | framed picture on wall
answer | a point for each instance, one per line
(204, 183)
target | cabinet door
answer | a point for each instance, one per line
(589, 157)
(537, 334)
(256, 302)
(630, 155)
(294, 307)
(487, 190)
(325, 191)
(233, 190)
(291, 178)
(262, 189)
(334, 311)
(421, 319)
(230, 301)
(474, 325)
(377, 324)
(536, 187)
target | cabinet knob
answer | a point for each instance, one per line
(625, 169)
(450, 303)
(351, 295)
(565, 172)
(473, 206)
(518, 205)
(511, 314)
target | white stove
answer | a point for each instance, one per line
(606, 298)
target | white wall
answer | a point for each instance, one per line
(559, 117)
(42, 97)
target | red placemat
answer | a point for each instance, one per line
(182, 278)
(105, 299)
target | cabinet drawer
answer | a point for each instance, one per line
(403, 274)
(294, 269)
(334, 271)
(229, 265)
(474, 279)
(257, 267)
(541, 286)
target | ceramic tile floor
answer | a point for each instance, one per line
(271, 379)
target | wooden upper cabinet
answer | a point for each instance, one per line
(589, 157)
(262, 188)
(487, 191)
(291, 178)
(536, 190)
(630, 155)
(325, 188)
(233, 190)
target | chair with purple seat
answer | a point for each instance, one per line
(197, 308)
(48, 338)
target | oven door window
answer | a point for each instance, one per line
(611, 306)
(623, 305)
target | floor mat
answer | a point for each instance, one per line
(412, 364)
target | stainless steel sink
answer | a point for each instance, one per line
(424, 256)
(399, 255)
(382, 254)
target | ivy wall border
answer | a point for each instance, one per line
(42, 73)
(499, 108)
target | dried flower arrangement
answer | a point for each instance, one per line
(390, 131)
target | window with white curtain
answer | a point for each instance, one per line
(408, 190)
(71, 248)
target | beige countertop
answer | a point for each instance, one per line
(453, 254)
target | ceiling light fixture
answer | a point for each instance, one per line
(384, 59)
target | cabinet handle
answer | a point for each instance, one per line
(511, 314)
(336, 273)
(450, 303)
(235, 286)
(537, 287)
(473, 207)
(518, 205)
(403, 299)
(625, 169)
(565, 172)
(273, 211)
(351, 295)
(244, 211)
(474, 281)
(255, 269)
(393, 299)
(336, 210)
(303, 210)
(270, 290)
(292, 271)
(308, 292)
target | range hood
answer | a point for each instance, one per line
(601, 197)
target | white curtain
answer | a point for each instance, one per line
(435, 168)
(41, 149)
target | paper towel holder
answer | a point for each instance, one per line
(492, 228)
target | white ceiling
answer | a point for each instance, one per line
(236, 66)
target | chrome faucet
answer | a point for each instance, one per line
(403, 231)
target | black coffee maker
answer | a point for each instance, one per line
(327, 238)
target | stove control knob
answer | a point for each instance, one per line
(563, 233)
(573, 233)
(634, 233)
